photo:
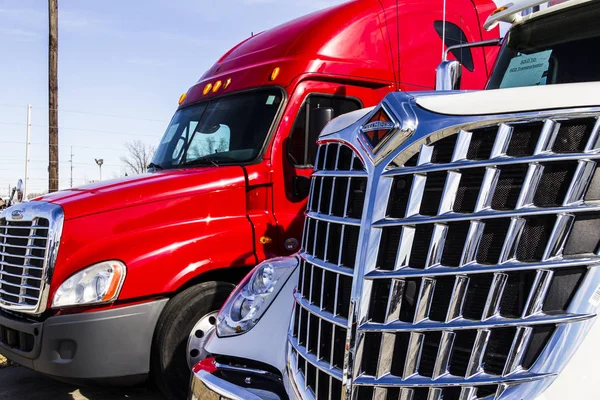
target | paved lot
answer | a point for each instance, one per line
(17, 383)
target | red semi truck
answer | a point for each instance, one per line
(114, 281)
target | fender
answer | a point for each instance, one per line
(166, 243)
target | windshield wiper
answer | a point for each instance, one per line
(202, 160)
(154, 166)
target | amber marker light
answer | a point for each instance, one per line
(207, 88)
(265, 240)
(227, 83)
(274, 74)
(182, 98)
(217, 86)
(499, 10)
(115, 283)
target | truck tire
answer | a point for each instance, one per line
(169, 367)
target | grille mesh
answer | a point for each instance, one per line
(23, 247)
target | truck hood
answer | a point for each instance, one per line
(146, 188)
(503, 101)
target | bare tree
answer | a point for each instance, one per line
(139, 156)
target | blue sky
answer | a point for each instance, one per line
(116, 58)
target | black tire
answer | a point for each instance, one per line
(168, 364)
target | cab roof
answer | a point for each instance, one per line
(328, 42)
(511, 12)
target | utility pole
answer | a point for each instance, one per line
(27, 140)
(53, 95)
(71, 161)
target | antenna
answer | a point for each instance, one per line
(443, 30)
(398, 40)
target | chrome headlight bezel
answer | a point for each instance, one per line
(252, 297)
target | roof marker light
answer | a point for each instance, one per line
(207, 88)
(499, 10)
(227, 83)
(182, 98)
(274, 74)
(217, 86)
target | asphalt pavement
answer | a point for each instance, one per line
(18, 383)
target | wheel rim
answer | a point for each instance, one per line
(198, 337)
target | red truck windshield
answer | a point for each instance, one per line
(227, 130)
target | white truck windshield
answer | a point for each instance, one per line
(554, 49)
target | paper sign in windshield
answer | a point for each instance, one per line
(527, 70)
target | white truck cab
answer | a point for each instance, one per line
(451, 244)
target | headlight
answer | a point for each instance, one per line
(254, 295)
(100, 283)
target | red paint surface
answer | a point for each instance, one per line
(172, 226)
(208, 365)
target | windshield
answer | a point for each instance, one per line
(226, 130)
(557, 49)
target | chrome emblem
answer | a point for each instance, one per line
(17, 214)
(379, 128)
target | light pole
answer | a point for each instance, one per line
(99, 161)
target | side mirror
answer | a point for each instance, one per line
(447, 75)
(301, 187)
(17, 193)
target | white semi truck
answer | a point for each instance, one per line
(451, 243)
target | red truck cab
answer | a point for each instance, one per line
(117, 280)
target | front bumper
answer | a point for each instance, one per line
(236, 382)
(96, 346)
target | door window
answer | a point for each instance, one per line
(302, 144)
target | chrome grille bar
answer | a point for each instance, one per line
(466, 324)
(486, 214)
(463, 165)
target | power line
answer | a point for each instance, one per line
(66, 145)
(88, 113)
(96, 131)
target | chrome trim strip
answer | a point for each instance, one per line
(311, 358)
(340, 174)
(338, 269)
(331, 218)
(474, 268)
(545, 157)
(205, 385)
(485, 214)
(417, 381)
(464, 324)
(318, 312)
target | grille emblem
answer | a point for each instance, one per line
(379, 128)
(17, 214)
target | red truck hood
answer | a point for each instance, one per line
(146, 188)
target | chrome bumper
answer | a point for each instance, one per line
(208, 387)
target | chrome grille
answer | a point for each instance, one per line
(474, 271)
(27, 244)
(474, 277)
(329, 248)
